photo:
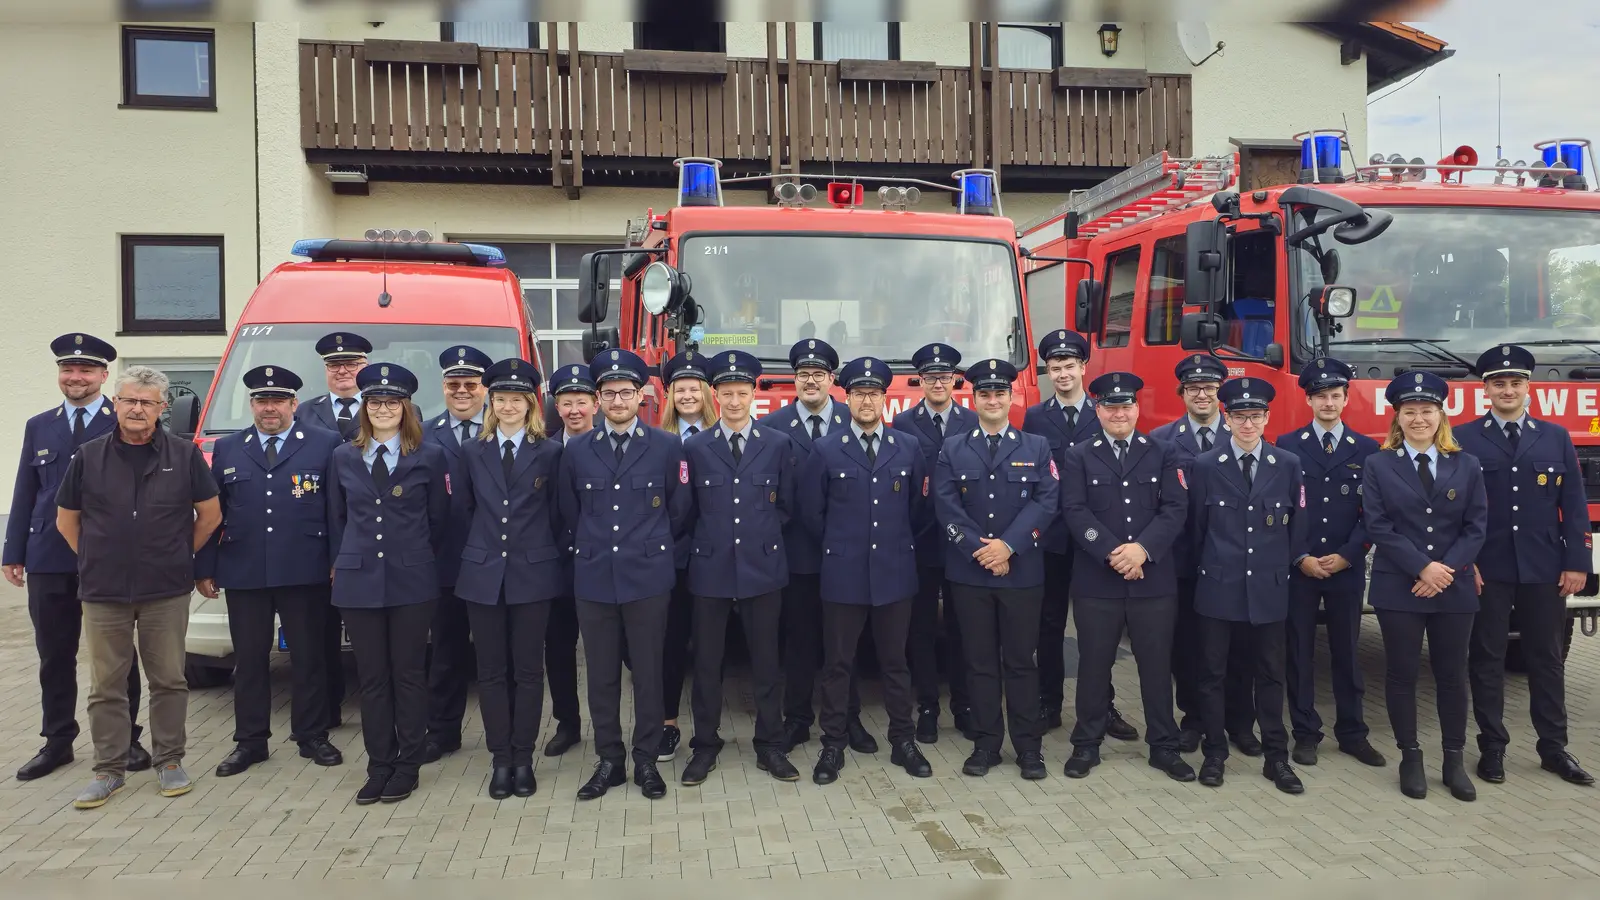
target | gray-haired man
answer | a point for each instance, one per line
(135, 505)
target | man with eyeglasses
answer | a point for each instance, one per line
(37, 557)
(1200, 376)
(932, 420)
(864, 496)
(625, 496)
(1247, 515)
(450, 668)
(811, 416)
(135, 575)
(343, 355)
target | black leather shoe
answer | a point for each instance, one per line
(1211, 771)
(500, 781)
(563, 740)
(1188, 740)
(523, 784)
(1492, 766)
(667, 750)
(963, 723)
(1050, 717)
(1172, 764)
(1118, 727)
(906, 755)
(1305, 753)
(138, 757)
(1081, 761)
(434, 748)
(372, 790)
(1413, 776)
(607, 775)
(701, 764)
(980, 762)
(1455, 776)
(319, 751)
(774, 763)
(861, 740)
(794, 734)
(829, 762)
(928, 726)
(648, 778)
(239, 760)
(398, 787)
(49, 758)
(1364, 753)
(1247, 742)
(1030, 764)
(1566, 765)
(1282, 776)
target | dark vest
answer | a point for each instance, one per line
(136, 538)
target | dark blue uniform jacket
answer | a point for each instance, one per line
(274, 530)
(1107, 504)
(866, 516)
(517, 540)
(918, 421)
(740, 510)
(385, 548)
(1538, 513)
(1333, 500)
(1012, 496)
(1411, 530)
(31, 536)
(805, 554)
(1244, 537)
(1049, 421)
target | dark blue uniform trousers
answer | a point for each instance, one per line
(57, 627)
(1219, 640)
(1541, 623)
(1343, 605)
(605, 627)
(303, 610)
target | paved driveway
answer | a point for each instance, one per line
(288, 818)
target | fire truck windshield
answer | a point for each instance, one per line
(1463, 279)
(867, 296)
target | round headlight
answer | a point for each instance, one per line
(655, 288)
(1341, 302)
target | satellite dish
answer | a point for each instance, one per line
(1195, 39)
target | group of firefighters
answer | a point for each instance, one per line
(536, 509)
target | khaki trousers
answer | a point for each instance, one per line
(110, 630)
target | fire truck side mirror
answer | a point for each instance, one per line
(1086, 309)
(1205, 262)
(1070, 225)
(1200, 331)
(601, 340)
(184, 416)
(594, 291)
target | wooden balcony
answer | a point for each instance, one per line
(462, 112)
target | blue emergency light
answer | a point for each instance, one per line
(309, 247)
(977, 192)
(1320, 158)
(1564, 156)
(332, 249)
(698, 183)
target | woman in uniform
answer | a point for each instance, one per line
(512, 566)
(387, 506)
(693, 409)
(1426, 512)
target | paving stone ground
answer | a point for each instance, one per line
(287, 818)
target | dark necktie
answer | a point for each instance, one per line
(380, 470)
(80, 424)
(1327, 442)
(816, 428)
(1513, 433)
(272, 451)
(1122, 450)
(619, 444)
(1072, 418)
(347, 420)
(507, 460)
(692, 431)
(1205, 439)
(938, 422)
(1249, 463)
(994, 445)
(872, 448)
(1425, 474)
(737, 442)
(466, 432)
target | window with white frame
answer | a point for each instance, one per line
(548, 271)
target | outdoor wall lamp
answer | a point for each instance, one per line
(1108, 38)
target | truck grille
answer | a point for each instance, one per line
(1589, 462)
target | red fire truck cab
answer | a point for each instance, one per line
(871, 282)
(1393, 266)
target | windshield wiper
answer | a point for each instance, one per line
(1424, 343)
(1588, 345)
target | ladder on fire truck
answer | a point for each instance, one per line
(1160, 183)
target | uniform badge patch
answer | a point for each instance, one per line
(1588, 541)
(655, 502)
(538, 482)
(397, 491)
(1269, 520)
(1091, 535)
(1182, 481)
(1543, 479)
(1054, 472)
(1302, 497)
(683, 472)
(897, 485)
(447, 489)
(1451, 494)
(924, 485)
(772, 497)
(1344, 489)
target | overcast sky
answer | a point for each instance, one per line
(1548, 56)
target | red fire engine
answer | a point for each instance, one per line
(880, 282)
(1395, 265)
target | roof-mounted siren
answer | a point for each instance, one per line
(1565, 153)
(978, 195)
(699, 181)
(1463, 156)
(1320, 156)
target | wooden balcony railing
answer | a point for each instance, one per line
(533, 108)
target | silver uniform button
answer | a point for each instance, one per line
(380, 554)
